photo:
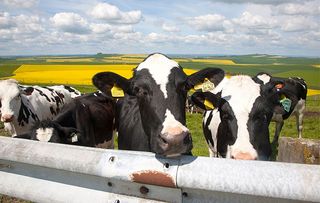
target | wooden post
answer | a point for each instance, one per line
(293, 150)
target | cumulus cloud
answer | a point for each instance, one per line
(295, 24)
(169, 28)
(272, 2)
(210, 22)
(5, 21)
(113, 14)
(20, 3)
(307, 8)
(70, 22)
(249, 20)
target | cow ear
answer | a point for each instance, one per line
(107, 81)
(27, 90)
(206, 100)
(210, 76)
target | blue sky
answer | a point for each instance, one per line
(33, 27)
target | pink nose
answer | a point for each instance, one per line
(243, 156)
(7, 118)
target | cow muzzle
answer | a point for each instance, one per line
(176, 144)
(6, 118)
(244, 156)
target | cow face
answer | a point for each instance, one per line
(50, 131)
(10, 98)
(245, 109)
(159, 86)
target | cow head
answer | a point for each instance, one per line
(159, 86)
(50, 131)
(245, 109)
(10, 98)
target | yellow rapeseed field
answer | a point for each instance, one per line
(215, 61)
(79, 74)
(70, 74)
(317, 65)
(70, 60)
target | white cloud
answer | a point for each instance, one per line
(70, 22)
(294, 24)
(210, 22)
(170, 28)
(5, 21)
(272, 2)
(113, 14)
(249, 20)
(20, 3)
(307, 8)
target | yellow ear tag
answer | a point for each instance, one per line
(207, 85)
(198, 86)
(208, 105)
(117, 92)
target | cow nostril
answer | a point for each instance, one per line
(163, 140)
(232, 157)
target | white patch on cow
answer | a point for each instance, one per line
(221, 85)
(241, 92)
(44, 134)
(159, 67)
(171, 125)
(264, 78)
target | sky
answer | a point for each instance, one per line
(212, 27)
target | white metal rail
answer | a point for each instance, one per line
(46, 172)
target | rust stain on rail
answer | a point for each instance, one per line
(153, 178)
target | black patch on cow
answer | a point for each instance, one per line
(70, 89)
(258, 127)
(24, 115)
(206, 131)
(42, 94)
(228, 128)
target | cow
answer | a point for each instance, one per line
(151, 116)
(88, 120)
(237, 116)
(22, 106)
(293, 101)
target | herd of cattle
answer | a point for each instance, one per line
(237, 110)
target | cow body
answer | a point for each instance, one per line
(237, 127)
(152, 112)
(295, 89)
(22, 106)
(87, 121)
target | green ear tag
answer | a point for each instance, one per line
(117, 92)
(208, 105)
(286, 103)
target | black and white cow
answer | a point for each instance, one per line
(295, 94)
(237, 127)
(152, 113)
(88, 120)
(22, 106)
